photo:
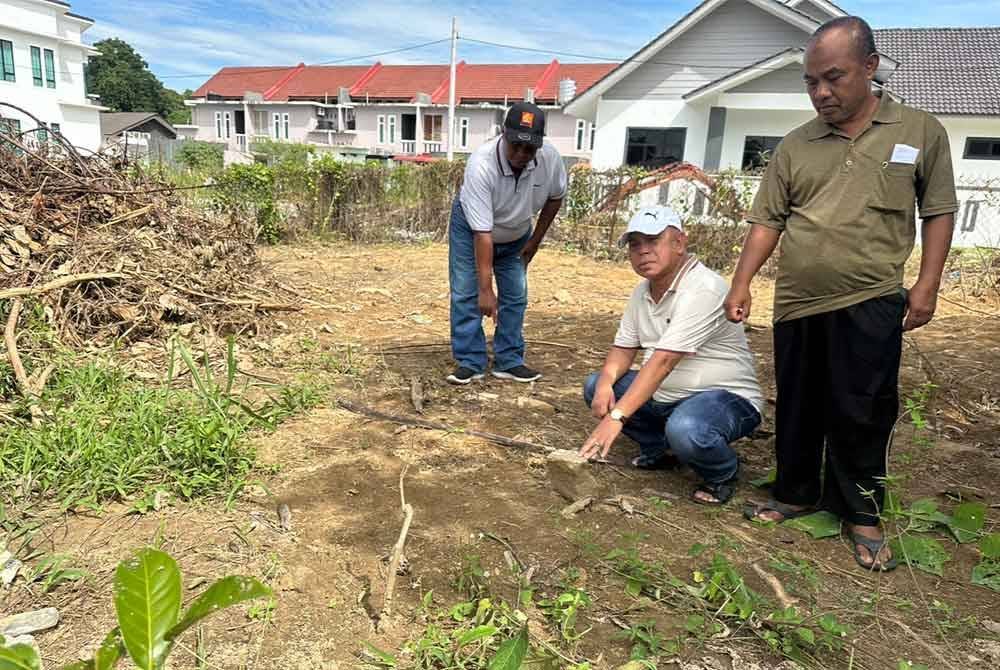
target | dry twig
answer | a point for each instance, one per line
(397, 552)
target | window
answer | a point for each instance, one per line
(593, 134)
(350, 121)
(381, 129)
(463, 132)
(218, 125)
(284, 123)
(277, 126)
(260, 123)
(36, 66)
(433, 127)
(581, 133)
(982, 148)
(392, 128)
(50, 68)
(757, 150)
(6, 60)
(55, 128)
(229, 125)
(42, 134)
(654, 147)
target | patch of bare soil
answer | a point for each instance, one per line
(339, 474)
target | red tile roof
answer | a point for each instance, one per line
(316, 81)
(474, 83)
(233, 82)
(402, 82)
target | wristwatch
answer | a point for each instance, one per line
(617, 415)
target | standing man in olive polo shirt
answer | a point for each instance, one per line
(839, 193)
(508, 181)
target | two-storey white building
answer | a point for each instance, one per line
(42, 57)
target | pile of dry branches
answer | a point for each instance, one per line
(111, 252)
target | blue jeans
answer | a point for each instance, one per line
(468, 342)
(697, 430)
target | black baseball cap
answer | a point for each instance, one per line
(525, 122)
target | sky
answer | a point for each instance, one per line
(186, 41)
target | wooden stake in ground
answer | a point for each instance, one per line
(20, 376)
(397, 552)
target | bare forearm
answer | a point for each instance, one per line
(545, 219)
(936, 235)
(650, 376)
(616, 364)
(757, 248)
(483, 243)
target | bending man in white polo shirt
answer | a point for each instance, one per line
(696, 391)
(508, 181)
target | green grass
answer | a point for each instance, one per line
(108, 436)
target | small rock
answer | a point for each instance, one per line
(29, 622)
(8, 571)
(284, 517)
(488, 397)
(535, 405)
(563, 296)
(991, 626)
(570, 475)
(573, 509)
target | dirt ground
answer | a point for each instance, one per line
(339, 474)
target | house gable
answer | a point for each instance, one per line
(821, 10)
(787, 79)
(735, 34)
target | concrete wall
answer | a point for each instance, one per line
(959, 129)
(614, 117)
(734, 35)
(35, 24)
(740, 123)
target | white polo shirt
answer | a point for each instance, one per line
(493, 199)
(689, 318)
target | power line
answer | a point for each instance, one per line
(730, 66)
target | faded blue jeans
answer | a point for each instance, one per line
(697, 430)
(468, 342)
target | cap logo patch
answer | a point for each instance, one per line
(527, 119)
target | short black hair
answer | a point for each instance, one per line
(862, 37)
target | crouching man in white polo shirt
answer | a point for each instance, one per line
(696, 391)
(508, 181)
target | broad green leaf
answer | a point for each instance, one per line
(925, 516)
(222, 594)
(987, 574)
(806, 635)
(19, 657)
(907, 665)
(511, 653)
(817, 524)
(923, 553)
(106, 656)
(386, 659)
(476, 634)
(766, 480)
(966, 521)
(990, 546)
(148, 602)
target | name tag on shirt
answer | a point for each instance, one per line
(904, 153)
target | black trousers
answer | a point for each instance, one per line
(837, 376)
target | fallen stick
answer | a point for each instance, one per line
(434, 425)
(20, 375)
(397, 552)
(779, 590)
(55, 284)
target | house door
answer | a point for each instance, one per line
(409, 129)
(241, 122)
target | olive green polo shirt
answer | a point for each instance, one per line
(845, 206)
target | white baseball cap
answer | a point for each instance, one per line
(651, 220)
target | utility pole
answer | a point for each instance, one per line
(451, 90)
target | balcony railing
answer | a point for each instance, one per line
(241, 142)
(409, 146)
(432, 147)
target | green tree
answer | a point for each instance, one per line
(123, 80)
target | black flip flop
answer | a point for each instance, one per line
(753, 510)
(665, 461)
(874, 547)
(721, 491)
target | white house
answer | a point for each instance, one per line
(724, 83)
(388, 110)
(42, 57)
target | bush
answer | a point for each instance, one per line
(200, 156)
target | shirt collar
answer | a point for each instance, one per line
(505, 168)
(675, 284)
(887, 112)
